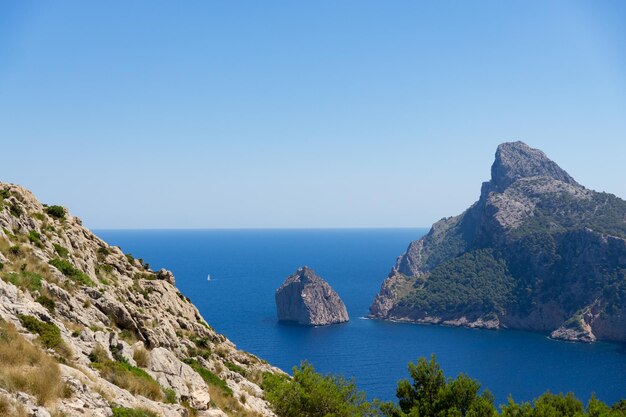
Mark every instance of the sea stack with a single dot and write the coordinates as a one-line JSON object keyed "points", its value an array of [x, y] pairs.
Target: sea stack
{"points": [[306, 299]]}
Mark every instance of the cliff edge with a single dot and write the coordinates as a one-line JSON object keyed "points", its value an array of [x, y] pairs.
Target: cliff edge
{"points": [[86, 330]]}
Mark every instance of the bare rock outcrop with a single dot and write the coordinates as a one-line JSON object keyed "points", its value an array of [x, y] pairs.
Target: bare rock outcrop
{"points": [[306, 299], [109, 315]]}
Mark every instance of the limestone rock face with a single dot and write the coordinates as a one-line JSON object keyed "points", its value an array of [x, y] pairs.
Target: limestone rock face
{"points": [[306, 299], [102, 300], [516, 160], [537, 251]]}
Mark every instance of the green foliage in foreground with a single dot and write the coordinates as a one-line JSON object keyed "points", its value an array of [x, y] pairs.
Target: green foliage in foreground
{"points": [[310, 394], [428, 394]]}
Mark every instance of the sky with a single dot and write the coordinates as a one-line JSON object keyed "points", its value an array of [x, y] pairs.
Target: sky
{"points": [[358, 113]]}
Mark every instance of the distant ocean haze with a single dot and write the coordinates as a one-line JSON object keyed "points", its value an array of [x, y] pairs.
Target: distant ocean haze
{"points": [[246, 267]]}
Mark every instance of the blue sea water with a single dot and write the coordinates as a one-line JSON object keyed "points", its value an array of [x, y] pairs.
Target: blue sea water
{"points": [[247, 266]]}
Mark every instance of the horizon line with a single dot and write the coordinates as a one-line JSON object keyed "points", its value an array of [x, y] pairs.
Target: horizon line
{"points": [[256, 228]]}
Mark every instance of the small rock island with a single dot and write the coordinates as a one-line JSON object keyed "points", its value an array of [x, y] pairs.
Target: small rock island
{"points": [[306, 299]]}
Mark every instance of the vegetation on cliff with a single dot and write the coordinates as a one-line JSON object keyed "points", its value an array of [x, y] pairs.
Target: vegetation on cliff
{"points": [[473, 281], [537, 251]]}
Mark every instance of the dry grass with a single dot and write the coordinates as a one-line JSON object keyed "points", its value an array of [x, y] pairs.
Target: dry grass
{"points": [[133, 379], [142, 357], [222, 351], [11, 408], [229, 404], [25, 261], [25, 367], [255, 375]]}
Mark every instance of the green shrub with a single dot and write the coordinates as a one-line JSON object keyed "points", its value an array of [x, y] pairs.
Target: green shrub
{"points": [[203, 353], [61, 251], [433, 395], [34, 237], [15, 250], [125, 375], [313, 395], [24, 279], [208, 376], [57, 212], [170, 395], [71, 272], [203, 347], [235, 368], [47, 302], [131, 378], [1, 266], [132, 412], [202, 342], [128, 336], [103, 251], [39, 216], [15, 210], [98, 354], [49, 333]]}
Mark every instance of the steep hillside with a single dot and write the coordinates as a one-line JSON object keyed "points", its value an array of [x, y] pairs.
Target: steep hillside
{"points": [[537, 251], [87, 330]]}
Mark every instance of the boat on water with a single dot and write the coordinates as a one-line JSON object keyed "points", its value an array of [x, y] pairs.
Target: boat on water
{"points": [[208, 278]]}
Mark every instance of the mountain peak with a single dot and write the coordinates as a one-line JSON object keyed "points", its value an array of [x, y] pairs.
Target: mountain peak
{"points": [[306, 274], [516, 160]]}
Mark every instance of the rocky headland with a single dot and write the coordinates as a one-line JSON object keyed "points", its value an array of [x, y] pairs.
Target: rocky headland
{"points": [[86, 330], [537, 251], [306, 299]]}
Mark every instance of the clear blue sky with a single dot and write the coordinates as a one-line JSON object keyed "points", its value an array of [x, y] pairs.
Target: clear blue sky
{"points": [[302, 113]]}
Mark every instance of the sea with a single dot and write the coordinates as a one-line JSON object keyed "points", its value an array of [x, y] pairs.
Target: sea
{"points": [[246, 267]]}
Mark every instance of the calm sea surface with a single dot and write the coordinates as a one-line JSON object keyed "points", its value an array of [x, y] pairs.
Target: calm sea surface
{"points": [[247, 266]]}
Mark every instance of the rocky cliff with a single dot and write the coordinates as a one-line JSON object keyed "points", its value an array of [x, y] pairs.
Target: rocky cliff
{"points": [[537, 251], [308, 300], [86, 330]]}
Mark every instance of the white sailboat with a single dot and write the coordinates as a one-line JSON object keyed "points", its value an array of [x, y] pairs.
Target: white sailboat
{"points": [[208, 278]]}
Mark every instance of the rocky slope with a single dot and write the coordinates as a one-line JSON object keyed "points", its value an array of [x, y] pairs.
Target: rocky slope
{"points": [[308, 300], [537, 251], [120, 334]]}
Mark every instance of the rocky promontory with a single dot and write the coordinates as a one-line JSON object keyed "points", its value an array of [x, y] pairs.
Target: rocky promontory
{"points": [[537, 251], [306, 299]]}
